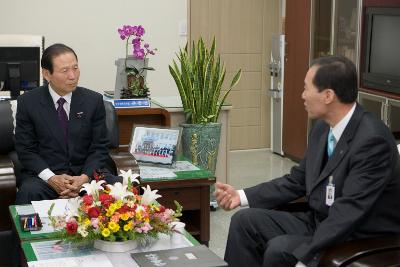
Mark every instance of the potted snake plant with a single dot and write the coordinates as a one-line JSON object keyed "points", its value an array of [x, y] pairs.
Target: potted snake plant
{"points": [[199, 76]]}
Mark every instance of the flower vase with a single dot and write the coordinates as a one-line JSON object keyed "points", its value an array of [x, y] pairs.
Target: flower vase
{"points": [[121, 80], [116, 246]]}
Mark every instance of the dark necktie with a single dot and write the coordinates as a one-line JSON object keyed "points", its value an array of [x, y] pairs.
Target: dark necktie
{"points": [[62, 117]]}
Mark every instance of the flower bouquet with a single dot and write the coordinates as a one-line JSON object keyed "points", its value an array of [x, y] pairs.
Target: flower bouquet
{"points": [[115, 213]]}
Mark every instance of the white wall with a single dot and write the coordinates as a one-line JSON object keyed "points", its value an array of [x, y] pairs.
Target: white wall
{"points": [[90, 28]]}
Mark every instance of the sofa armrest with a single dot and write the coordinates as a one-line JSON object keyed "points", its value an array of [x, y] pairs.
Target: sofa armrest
{"points": [[356, 250], [125, 161], [8, 191]]}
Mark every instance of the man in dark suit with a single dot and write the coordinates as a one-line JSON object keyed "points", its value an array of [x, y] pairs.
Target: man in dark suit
{"points": [[350, 177], [60, 133]]}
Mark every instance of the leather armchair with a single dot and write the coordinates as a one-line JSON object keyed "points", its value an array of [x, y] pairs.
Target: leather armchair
{"points": [[8, 182], [118, 160], [376, 251]]}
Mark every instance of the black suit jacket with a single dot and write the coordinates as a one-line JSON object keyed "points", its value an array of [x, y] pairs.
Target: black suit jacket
{"points": [[40, 142], [366, 172]]}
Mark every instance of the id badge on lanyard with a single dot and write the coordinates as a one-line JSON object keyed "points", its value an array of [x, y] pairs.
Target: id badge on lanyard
{"points": [[330, 192]]}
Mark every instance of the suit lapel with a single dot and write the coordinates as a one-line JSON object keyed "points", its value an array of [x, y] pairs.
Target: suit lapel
{"points": [[319, 156], [76, 116], [49, 114], [341, 148]]}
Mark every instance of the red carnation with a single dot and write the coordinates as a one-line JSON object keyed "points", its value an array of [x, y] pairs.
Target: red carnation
{"points": [[105, 200], [87, 199], [135, 191], [94, 212], [124, 209], [162, 208], [72, 227]]}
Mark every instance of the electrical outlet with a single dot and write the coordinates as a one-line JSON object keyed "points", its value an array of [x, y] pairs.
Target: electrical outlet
{"points": [[182, 31]]}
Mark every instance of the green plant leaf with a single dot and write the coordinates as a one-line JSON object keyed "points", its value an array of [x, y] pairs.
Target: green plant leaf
{"points": [[199, 79]]}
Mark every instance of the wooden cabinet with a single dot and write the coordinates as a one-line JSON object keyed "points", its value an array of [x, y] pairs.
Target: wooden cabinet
{"points": [[297, 30], [194, 195], [385, 108], [335, 28]]}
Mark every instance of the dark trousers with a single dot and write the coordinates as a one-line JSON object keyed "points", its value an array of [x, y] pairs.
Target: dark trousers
{"points": [[261, 237]]}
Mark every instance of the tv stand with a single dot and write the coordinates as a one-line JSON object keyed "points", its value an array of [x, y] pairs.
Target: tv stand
{"points": [[384, 106]]}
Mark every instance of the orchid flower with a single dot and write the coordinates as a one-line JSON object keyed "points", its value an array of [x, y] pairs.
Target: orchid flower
{"points": [[149, 196], [93, 188], [126, 175], [119, 191]]}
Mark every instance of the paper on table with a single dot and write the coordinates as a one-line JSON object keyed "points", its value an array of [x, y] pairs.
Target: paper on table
{"points": [[156, 172], [24, 209], [46, 227], [98, 260], [183, 165], [43, 206]]}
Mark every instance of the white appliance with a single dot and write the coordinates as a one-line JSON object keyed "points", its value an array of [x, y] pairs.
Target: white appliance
{"points": [[276, 69]]}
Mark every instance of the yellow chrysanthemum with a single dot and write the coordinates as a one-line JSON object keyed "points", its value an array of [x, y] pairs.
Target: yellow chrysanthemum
{"points": [[112, 208], [113, 226], [106, 232], [109, 213], [128, 227], [118, 204], [87, 222], [125, 216]]}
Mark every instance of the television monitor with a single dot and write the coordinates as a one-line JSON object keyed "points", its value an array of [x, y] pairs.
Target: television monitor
{"points": [[381, 68], [19, 69]]}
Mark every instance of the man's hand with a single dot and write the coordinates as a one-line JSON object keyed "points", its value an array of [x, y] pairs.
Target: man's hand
{"points": [[59, 183], [227, 196], [74, 185]]}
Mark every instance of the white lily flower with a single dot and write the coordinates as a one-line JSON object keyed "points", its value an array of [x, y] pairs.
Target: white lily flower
{"points": [[149, 196], [139, 208], [128, 174], [93, 188], [119, 191], [73, 207], [82, 231]]}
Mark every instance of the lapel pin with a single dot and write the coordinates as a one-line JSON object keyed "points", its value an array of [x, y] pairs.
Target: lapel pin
{"points": [[79, 114]]}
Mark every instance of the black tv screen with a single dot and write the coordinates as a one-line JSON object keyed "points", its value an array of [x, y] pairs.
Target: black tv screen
{"points": [[19, 69], [382, 49]]}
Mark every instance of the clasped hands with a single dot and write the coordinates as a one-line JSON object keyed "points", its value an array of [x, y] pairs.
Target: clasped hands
{"points": [[67, 186], [227, 196]]}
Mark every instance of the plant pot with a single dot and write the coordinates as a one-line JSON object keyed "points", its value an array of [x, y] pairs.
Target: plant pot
{"points": [[121, 80], [117, 246], [200, 144]]}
